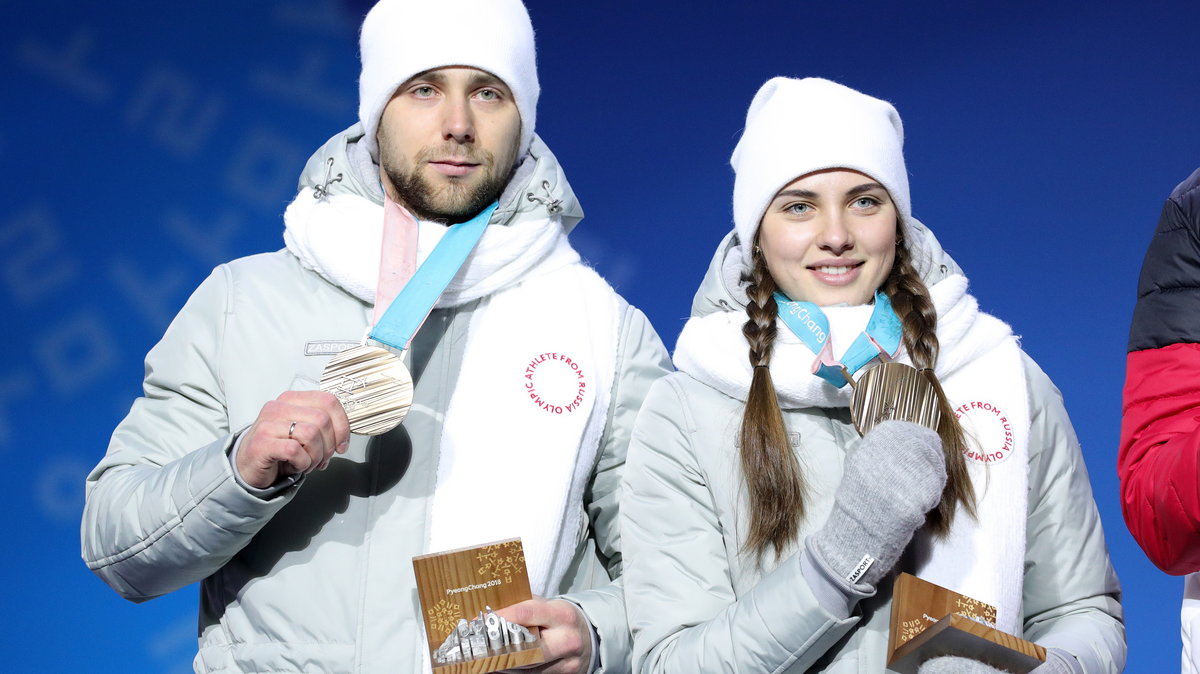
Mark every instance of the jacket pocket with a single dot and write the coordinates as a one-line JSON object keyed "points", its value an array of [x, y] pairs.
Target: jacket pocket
{"points": [[304, 382]]}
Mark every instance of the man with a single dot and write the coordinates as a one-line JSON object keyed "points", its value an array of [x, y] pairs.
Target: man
{"points": [[1159, 459], [233, 470]]}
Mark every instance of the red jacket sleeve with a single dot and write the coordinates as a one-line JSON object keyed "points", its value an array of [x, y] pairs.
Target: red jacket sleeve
{"points": [[1159, 458]]}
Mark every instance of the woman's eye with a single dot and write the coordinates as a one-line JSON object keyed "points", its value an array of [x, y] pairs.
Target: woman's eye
{"points": [[798, 209], [866, 202]]}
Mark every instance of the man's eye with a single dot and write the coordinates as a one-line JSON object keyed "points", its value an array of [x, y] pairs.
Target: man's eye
{"points": [[424, 91], [489, 95]]}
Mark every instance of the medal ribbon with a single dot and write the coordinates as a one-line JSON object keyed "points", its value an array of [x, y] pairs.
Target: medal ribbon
{"points": [[811, 325], [410, 308]]}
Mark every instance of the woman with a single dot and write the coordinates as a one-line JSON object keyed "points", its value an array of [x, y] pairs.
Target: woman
{"points": [[760, 533]]}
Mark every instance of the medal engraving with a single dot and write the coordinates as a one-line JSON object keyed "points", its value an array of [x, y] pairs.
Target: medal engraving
{"points": [[893, 391], [373, 386]]}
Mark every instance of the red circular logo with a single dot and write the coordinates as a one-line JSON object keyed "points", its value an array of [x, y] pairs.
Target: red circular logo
{"points": [[989, 427], [555, 382]]}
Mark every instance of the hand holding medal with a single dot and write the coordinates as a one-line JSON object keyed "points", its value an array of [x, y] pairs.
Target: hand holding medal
{"points": [[365, 389], [294, 434]]}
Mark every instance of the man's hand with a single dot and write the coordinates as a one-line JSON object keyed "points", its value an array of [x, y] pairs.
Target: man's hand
{"points": [[566, 634], [295, 433]]}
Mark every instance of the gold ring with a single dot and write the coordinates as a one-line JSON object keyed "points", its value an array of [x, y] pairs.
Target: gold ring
{"points": [[290, 429]]}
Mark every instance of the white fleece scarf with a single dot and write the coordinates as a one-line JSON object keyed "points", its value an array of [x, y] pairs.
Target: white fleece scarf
{"points": [[521, 433], [320, 234], [980, 368]]}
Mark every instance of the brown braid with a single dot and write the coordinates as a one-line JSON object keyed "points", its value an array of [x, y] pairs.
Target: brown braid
{"points": [[773, 479], [911, 301]]}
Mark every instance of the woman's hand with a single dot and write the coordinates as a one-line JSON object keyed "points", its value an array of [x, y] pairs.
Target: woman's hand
{"points": [[894, 477], [952, 664], [1056, 663]]}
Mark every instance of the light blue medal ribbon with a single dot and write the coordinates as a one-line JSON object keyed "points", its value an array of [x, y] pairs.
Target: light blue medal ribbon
{"points": [[410, 308], [811, 325]]}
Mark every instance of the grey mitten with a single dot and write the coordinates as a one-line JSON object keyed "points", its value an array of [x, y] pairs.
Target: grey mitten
{"points": [[890, 482], [952, 664], [1057, 662]]}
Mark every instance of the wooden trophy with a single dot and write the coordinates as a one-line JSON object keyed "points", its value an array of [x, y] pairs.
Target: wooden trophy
{"points": [[458, 590], [929, 620]]}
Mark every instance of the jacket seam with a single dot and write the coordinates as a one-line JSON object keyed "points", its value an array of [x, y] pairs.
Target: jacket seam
{"points": [[159, 533], [1141, 402], [692, 429], [681, 398], [1173, 219], [606, 434], [1178, 199], [624, 330], [1169, 289], [226, 318], [805, 647], [219, 375], [614, 391], [1179, 341]]}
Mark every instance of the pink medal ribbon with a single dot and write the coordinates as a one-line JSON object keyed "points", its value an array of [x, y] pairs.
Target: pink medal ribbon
{"points": [[397, 256]]}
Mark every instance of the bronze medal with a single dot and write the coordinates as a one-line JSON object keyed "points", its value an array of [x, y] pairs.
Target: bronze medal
{"points": [[373, 386], [893, 391]]}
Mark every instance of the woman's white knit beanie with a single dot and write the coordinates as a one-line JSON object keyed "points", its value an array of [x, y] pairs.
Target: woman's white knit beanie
{"points": [[401, 38], [795, 127]]}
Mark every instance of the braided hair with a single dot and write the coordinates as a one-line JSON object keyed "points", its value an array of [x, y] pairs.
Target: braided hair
{"points": [[775, 483], [911, 301]]}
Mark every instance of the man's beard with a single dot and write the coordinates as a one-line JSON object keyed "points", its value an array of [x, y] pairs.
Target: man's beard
{"points": [[456, 201]]}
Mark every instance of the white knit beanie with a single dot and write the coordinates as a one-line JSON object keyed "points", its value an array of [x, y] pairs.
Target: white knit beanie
{"points": [[401, 38], [795, 127]]}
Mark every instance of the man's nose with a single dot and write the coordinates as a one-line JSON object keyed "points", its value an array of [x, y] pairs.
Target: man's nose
{"points": [[459, 121]]}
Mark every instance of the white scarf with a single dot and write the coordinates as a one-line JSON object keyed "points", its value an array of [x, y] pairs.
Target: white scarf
{"points": [[340, 238], [980, 368], [538, 298]]}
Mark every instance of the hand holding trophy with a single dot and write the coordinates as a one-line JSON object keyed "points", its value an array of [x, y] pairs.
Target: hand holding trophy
{"points": [[457, 590], [964, 638]]}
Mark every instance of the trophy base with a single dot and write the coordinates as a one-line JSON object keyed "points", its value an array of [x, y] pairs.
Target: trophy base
{"points": [[512, 657], [917, 634], [956, 635]]}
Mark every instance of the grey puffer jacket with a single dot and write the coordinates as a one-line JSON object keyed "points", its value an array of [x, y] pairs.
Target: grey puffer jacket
{"points": [[697, 603], [318, 577]]}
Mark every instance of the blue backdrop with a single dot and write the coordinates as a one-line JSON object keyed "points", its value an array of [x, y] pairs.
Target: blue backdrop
{"points": [[144, 143]]}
